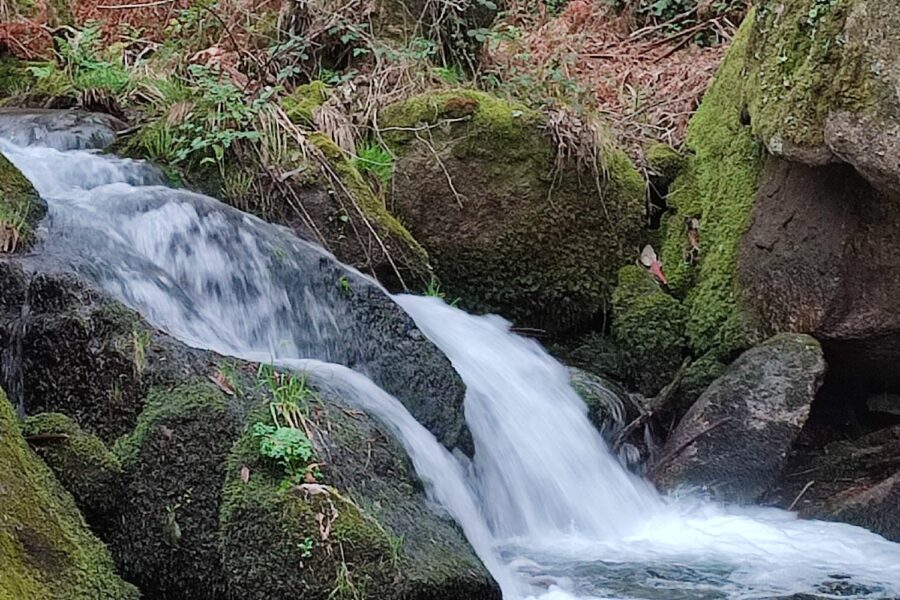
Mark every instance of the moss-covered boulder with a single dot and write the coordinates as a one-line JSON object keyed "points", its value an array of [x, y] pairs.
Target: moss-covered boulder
{"points": [[182, 414], [20, 209], [823, 80], [81, 461], [46, 550], [476, 182], [649, 327], [364, 529], [206, 514], [166, 536]]}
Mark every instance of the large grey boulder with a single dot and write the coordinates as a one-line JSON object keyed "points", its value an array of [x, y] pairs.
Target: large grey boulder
{"points": [[734, 441]]}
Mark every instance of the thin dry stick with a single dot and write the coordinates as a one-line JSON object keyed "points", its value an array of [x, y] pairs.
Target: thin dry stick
{"points": [[440, 163], [800, 495], [132, 6]]}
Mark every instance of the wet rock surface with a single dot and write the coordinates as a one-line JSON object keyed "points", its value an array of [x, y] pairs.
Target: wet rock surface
{"points": [[735, 439]]}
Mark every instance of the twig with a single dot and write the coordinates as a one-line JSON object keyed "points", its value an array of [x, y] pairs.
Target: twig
{"points": [[661, 399], [129, 6], [40, 438], [800, 495]]}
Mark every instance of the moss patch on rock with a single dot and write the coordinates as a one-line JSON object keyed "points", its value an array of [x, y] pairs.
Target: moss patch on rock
{"points": [[719, 188], [46, 550], [649, 326], [20, 209], [475, 182], [81, 462], [392, 232], [666, 162], [804, 64], [166, 536], [280, 540]]}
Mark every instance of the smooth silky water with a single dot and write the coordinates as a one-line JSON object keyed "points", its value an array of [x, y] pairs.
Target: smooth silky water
{"points": [[544, 503]]}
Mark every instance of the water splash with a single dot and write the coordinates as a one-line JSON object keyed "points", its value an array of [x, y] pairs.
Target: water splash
{"points": [[550, 512]]}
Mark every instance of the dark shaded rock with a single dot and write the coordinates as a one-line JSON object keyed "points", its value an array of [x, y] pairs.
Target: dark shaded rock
{"points": [[874, 508], [815, 260], [853, 480], [82, 463], [46, 550], [735, 439]]}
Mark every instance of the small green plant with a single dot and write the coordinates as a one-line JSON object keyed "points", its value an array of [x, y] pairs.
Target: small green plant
{"points": [[284, 439], [433, 289], [287, 446], [291, 396], [306, 547], [375, 159], [344, 284], [84, 64], [222, 116]]}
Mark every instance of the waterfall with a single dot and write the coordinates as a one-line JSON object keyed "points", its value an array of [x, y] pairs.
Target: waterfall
{"points": [[551, 513]]}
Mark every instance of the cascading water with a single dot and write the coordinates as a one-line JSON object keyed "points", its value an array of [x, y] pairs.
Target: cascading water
{"points": [[545, 505]]}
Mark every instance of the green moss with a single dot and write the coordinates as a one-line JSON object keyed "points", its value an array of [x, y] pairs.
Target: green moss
{"points": [[46, 550], [20, 208], [163, 404], [649, 327], [81, 462], [303, 101], [370, 204], [513, 234], [666, 161], [496, 129], [800, 69], [165, 536], [698, 376], [718, 187], [323, 535]]}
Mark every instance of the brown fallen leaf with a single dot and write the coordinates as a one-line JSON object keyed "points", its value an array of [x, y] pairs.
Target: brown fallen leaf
{"points": [[222, 383]]}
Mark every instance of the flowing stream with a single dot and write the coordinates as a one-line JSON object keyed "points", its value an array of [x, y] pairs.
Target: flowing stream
{"points": [[549, 510]]}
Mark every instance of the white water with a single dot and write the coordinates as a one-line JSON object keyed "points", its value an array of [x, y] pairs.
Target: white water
{"points": [[550, 512]]}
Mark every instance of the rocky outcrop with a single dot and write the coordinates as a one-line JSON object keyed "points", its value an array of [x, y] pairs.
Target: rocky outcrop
{"points": [[189, 506], [823, 83], [734, 441], [507, 231], [46, 550]]}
